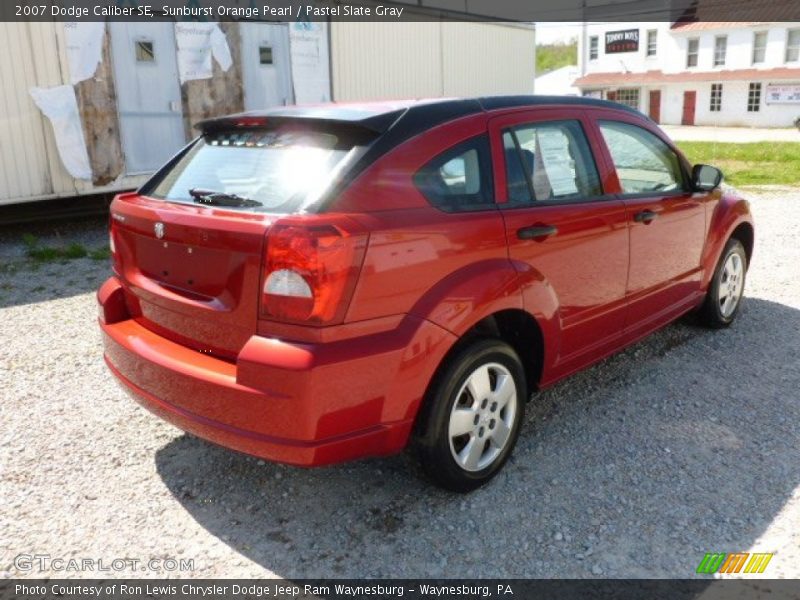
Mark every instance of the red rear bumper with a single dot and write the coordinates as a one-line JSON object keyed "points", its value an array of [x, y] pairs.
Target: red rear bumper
{"points": [[302, 404]]}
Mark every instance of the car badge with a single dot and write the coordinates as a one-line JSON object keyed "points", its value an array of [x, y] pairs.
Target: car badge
{"points": [[158, 228]]}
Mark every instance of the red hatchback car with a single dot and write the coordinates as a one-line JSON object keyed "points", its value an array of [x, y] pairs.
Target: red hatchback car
{"points": [[317, 284]]}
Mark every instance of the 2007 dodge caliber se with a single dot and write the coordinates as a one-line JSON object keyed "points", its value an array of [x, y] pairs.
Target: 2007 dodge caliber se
{"points": [[313, 285]]}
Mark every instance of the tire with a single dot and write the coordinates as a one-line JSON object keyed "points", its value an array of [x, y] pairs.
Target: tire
{"points": [[724, 296], [480, 391]]}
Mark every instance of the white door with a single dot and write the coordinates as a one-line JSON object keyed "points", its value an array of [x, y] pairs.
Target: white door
{"points": [[265, 65], [148, 93]]}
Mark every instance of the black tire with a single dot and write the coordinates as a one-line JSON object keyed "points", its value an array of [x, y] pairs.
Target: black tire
{"points": [[432, 441], [711, 313]]}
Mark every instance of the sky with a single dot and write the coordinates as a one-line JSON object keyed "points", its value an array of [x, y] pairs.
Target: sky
{"points": [[551, 33]]}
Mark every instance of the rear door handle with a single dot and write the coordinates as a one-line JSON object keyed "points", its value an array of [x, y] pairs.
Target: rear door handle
{"points": [[644, 216], [536, 231]]}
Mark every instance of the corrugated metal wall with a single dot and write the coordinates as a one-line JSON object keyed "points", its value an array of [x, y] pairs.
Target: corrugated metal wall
{"points": [[33, 55], [373, 61], [25, 149]]}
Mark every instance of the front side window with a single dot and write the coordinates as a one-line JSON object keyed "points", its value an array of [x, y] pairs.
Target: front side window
{"points": [[793, 45], [459, 179], [716, 97], [691, 52], [277, 171], [759, 47], [644, 163], [652, 42], [720, 50], [593, 47], [549, 161], [754, 97]]}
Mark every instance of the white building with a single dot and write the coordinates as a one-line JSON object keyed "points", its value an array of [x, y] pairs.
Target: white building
{"points": [[698, 73], [141, 86], [558, 82]]}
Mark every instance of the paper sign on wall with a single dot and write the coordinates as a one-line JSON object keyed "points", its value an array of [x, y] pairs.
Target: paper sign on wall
{"points": [[60, 106], [782, 93], [197, 42], [84, 41]]}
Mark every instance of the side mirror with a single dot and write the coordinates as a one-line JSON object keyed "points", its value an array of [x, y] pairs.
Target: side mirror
{"points": [[706, 178]]}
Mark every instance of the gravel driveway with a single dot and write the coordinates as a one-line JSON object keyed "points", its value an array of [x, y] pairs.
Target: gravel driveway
{"points": [[684, 444]]}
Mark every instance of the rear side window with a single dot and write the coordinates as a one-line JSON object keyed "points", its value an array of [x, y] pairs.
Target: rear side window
{"points": [[459, 179], [644, 163], [549, 161], [281, 170]]}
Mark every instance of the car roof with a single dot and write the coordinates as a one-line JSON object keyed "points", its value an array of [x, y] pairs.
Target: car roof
{"points": [[416, 114]]}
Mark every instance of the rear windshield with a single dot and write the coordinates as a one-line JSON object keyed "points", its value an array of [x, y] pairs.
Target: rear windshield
{"points": [[282, 170]]}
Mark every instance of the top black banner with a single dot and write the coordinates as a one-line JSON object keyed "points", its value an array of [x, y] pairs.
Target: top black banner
{"points": [[401, 10]]}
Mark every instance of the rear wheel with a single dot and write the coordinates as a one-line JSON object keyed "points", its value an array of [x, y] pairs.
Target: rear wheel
{"points": [[472, 416], [724, 296]]}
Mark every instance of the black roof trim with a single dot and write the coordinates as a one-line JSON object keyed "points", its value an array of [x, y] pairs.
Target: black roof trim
{"points": [[499, 102], [411, 115], [377, 122]]}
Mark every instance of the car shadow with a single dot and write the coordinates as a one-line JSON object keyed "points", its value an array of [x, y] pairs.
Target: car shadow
{"points": [[683, 444]]}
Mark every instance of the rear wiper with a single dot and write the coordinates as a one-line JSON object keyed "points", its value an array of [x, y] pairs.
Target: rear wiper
{"points": [[212, 198]]}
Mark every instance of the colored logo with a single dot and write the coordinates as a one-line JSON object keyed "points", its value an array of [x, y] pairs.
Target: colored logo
{"points": [[735, 562]]}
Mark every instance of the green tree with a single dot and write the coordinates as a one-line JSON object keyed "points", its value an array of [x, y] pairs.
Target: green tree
{"points": [[555, 56]]}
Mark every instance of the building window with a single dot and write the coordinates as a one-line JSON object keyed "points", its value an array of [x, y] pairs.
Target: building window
{"points": [[593, 45], [793, 45], [691, 52], [716, 97], [144, 51], [720, 49], [652, 42], [265, 55], [628, 97], [759, 47], [754, 98]]}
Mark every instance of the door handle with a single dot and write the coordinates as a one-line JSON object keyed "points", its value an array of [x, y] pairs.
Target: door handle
{"points": [[536, 231], [644, 216]]}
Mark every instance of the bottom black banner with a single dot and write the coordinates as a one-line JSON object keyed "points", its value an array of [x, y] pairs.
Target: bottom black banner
{"points": [[563, 589]]}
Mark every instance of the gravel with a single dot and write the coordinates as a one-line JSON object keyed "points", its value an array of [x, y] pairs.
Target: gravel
{"points": [[686, 443]]}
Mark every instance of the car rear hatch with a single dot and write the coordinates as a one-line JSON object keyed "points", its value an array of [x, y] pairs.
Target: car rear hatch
{"points": [[190, 245]]}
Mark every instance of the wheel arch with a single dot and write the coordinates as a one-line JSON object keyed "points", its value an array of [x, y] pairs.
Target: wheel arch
{"points": [[746, 235], [516, 327]]}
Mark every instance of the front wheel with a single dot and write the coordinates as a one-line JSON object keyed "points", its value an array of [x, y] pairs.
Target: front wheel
{"points": [[472, 416], [724, 296]]}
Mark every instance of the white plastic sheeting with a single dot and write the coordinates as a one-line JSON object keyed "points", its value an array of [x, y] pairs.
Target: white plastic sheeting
{"points": [[196, 43], [60, 106], [84, 41], [310, 64]]}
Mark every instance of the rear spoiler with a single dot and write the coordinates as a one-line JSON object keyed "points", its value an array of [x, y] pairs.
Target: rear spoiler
{"points": [[321, 116]]}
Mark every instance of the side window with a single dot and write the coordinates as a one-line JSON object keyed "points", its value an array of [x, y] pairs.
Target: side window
{"points": [[459, 179], [643, 161], [549, 161]]}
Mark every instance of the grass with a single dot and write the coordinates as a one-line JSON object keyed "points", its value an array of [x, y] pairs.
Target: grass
{"points": [[555, 56], [760, 163], [61, 254]]}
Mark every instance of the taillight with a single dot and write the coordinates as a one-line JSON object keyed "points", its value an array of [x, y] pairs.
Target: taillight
{"points": [[311, 269]]}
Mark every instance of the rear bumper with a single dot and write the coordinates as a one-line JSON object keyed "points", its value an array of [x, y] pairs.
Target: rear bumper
{"points": [[303, 404]]}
